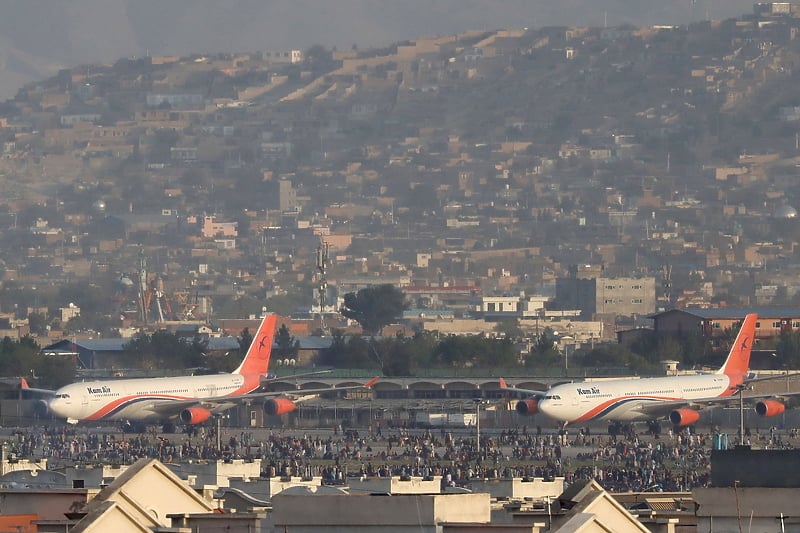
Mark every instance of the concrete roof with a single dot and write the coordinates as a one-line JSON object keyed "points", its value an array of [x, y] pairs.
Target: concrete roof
{"points": [[731, 313]]}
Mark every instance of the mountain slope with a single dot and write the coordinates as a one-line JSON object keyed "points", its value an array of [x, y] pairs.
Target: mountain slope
{"points": [[39, 36]]}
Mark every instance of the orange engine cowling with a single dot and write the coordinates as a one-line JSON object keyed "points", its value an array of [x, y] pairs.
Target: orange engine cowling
{"points": [[41, 408], [684, 417], [279, 406], [195, 415], [528, 407], [769, 408]]}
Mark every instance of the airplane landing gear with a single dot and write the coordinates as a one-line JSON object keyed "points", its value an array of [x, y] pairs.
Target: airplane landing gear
{"points": [[133, 427]]}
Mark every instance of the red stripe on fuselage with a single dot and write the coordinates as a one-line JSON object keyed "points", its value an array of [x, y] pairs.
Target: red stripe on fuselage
{"points": [[110, 407], [250, 384], [589, 415]]}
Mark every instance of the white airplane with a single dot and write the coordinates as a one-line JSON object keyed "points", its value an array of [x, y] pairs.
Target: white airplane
{"points": [[678, 398], [188, 399]]}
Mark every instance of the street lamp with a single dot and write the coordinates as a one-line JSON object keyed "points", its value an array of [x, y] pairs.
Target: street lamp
{"points": [[741, 388], [478, 402], [566, 340]]}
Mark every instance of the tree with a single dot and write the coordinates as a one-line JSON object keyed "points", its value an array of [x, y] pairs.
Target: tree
{"points": [[509, 328], [25, 358], [374, 307], [288, 346], [544, 353], [245, 340], [163, 349], [37, 323], [348, 353]]}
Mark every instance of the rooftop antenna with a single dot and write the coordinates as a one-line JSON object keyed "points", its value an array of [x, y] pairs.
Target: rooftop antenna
{"points": [[322, 266]]}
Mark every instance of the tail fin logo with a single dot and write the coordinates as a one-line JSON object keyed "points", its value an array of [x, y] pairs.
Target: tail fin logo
{"points": [[738, 360], [257, 359]]}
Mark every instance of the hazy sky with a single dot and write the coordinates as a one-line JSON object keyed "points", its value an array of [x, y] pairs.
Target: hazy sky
{"points": [[39, 36]]}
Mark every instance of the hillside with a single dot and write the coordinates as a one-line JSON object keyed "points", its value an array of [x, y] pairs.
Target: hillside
{"points": [[39, 37], [491, 159]]}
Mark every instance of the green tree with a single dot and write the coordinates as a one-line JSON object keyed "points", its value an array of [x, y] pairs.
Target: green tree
{"points": [[165, 350], [25, 358], [286, 304], [245, 340], [543, 353], [348, 353], [318, 57], [462, 351], [288, 346], [787, 350], [509, 327], [37, 323], [374, 307]]}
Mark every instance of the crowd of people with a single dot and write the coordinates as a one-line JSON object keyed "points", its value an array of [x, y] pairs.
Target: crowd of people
{"points": [[626, 462]]}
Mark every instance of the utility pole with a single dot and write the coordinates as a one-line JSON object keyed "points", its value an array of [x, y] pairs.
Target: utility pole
{"points": [[143, 303]]}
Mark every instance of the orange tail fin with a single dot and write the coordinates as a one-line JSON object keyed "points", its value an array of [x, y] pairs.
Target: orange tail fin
{"points": [[738, 360], [257, 359]]}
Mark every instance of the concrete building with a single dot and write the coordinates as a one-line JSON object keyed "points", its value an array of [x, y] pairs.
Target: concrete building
{"points": [[217, 473], [399, 513], [606, 297], [750, 489], [711, 323], [535, 489], [140, 499], [396, 485]]}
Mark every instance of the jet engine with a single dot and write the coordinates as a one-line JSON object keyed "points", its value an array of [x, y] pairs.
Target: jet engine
{"points": [[195, 415], [684, 417], [528, 407], [279, 406], [769, 408], [41, 408]]}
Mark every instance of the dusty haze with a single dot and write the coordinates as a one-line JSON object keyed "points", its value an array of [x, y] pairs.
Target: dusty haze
{"points": [[37, 37]]}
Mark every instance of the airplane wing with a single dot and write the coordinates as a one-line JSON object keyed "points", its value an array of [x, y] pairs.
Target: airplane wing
{"points": [[516, 390], [23, 384], [786, 375], [764, 403], [285, 401], [271, 378]]}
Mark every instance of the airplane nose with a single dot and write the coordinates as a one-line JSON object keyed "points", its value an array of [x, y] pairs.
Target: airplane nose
{"points": [[54, 406], [545, 406]]}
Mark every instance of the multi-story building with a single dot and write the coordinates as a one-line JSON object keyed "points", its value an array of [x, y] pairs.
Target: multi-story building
{"points": [[596, 295]]}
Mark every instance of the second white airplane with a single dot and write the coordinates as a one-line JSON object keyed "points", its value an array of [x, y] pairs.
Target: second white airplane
{"points": [[678, 398]]}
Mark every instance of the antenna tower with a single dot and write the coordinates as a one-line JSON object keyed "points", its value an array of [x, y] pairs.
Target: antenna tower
{"points": [[322, 266]]}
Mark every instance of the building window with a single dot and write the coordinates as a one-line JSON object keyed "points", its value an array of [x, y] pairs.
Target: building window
{"points": [[636, 301], [776, 325]]}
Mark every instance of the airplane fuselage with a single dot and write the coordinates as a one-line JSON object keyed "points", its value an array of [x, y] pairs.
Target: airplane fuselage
{"points": [[627, 399], [134, 399]]}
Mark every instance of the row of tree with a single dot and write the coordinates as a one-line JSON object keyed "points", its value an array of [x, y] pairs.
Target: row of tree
{"points": [[405, 356], [398, 355], [24, 358]]}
